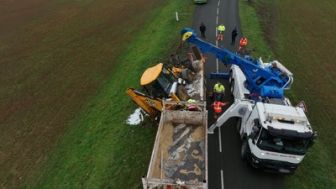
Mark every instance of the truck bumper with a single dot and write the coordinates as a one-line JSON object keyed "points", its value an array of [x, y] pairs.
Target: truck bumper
{"points": [[272, 165]]}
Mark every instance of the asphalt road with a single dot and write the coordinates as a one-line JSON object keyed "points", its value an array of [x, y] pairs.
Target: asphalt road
{"points": [[226, 169]]}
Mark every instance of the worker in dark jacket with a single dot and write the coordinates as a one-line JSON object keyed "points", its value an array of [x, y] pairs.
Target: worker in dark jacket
{"points": [[202, 29], [234, 34]]}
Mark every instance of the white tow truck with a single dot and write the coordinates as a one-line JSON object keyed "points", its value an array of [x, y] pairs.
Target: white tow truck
{"points": [[275, 134]]}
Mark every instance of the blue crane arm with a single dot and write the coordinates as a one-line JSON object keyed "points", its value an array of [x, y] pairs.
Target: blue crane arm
{"points": [[266, 80]]}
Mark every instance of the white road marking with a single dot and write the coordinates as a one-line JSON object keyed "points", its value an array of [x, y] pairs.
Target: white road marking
{"points": [[219, 129], [220, 139], [222, 178], [217, 17]]}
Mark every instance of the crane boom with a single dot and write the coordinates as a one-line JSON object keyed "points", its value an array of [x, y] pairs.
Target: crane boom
{"points": [[264, 79]]}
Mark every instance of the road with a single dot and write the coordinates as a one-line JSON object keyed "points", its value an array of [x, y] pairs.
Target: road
{"points": [[226, 169]]}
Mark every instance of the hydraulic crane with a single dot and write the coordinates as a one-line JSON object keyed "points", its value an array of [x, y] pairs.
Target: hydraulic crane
{"points": [[266, 80], [275, 135]]}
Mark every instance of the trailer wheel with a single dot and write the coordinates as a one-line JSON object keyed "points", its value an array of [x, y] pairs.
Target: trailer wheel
{"points": [[245, 150]]}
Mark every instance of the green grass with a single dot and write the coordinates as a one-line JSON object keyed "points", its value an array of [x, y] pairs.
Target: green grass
{"points": [[100, 150], [251, 29], [303, 41], [309, 54]]}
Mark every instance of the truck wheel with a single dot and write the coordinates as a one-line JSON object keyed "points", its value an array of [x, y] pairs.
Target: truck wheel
{"points": [[245, 150], [238, 125], [232, 85]]}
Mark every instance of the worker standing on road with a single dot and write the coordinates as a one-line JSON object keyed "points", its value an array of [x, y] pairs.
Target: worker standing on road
{"points": [[242, 45], [221, 29], [218, 91], [234, 34], [217, 107], [202, 28]]}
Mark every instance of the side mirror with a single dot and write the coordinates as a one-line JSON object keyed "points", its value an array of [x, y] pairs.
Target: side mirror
{"points": [[315, 135], [255, 129], [252, 135], [256, 122], [312, 140]]}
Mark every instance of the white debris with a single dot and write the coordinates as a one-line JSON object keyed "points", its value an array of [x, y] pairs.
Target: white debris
{"points": [[193, 89], [136, 117]]}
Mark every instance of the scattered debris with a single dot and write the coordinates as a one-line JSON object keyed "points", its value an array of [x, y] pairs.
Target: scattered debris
{"points": [[185, 158], [193, 89], [136, 117]]}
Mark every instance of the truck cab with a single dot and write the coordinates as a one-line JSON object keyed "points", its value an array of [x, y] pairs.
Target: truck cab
{"points": [[275, 134], [275, 137]]}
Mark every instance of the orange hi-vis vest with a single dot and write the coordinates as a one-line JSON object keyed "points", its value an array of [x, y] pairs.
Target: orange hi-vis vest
{"points": [[243, 41], [217, 106]]}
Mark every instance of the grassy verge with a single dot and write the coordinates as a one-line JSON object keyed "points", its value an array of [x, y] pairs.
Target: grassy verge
{"points": [[307, 53], [251, 29], [100, 150]]}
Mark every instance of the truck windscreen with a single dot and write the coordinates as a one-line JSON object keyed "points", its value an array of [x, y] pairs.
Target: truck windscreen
{"points": [[293, 145]]}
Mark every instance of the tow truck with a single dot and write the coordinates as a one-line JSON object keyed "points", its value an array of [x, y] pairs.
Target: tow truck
{"points": [[275, 134]]}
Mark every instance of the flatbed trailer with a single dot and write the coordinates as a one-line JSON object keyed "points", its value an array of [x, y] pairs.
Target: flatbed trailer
{"points": [[179, 157]]}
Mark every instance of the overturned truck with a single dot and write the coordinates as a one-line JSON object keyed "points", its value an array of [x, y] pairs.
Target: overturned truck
{"points": [[179, 157]]}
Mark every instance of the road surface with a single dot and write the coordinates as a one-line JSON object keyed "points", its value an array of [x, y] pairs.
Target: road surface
{"points": [[226, 169]]}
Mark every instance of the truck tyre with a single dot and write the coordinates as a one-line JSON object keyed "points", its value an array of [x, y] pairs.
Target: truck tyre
{"points": [[232, 85], [245, 150], [239, 125]]}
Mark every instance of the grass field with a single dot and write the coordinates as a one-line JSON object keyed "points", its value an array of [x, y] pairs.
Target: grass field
{"points": [[99, 150], [54, 56], [301, 34]]}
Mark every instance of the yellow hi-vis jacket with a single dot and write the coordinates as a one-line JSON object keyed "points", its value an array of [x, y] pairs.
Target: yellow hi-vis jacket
{"points": [[221, 28], [219, 88]]}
